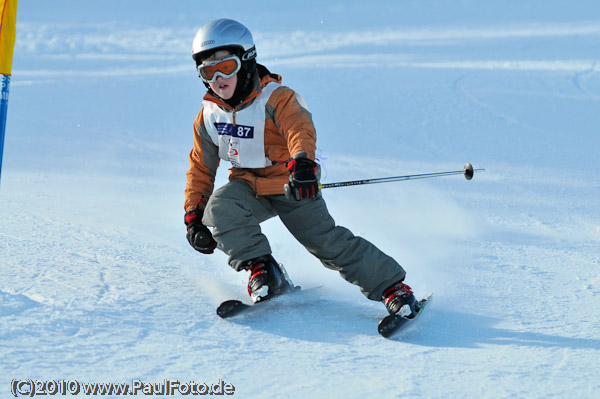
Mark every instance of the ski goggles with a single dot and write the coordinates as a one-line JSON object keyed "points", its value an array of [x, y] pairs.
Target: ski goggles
{"points": [[225, 67]]}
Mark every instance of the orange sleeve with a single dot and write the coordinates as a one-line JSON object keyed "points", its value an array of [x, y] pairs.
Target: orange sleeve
{"points": [[294, 121], [204, 161]]}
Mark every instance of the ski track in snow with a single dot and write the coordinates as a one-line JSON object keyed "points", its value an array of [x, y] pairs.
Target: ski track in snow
{"points": [[299, 49], [98, 284]]}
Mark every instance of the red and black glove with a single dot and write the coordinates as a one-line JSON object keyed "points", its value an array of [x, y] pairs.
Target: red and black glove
{"points": [[198, 235], [303, 179]]}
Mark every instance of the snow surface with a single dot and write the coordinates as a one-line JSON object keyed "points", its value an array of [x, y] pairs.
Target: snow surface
{"points": [[98, 283]]}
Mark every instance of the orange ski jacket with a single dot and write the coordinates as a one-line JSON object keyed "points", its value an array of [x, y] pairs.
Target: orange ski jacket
{"points": [[288, 130]]}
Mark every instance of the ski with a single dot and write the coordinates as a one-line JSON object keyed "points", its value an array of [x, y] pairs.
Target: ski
{"points": [[234, 307], [392, 324], [388, 326], [231, 308]]}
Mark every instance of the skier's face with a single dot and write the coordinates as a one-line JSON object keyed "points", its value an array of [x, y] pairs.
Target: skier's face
{"points": [[223, 87]]}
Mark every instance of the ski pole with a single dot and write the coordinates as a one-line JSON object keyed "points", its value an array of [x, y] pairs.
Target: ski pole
{"points": [[467, 171]]}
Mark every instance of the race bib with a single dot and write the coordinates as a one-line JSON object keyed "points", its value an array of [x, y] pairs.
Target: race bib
{"points": [[242, 143]]}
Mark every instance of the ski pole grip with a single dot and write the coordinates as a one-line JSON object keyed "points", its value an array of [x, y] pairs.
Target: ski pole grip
{"points": [[287, 190], [201, 239]]}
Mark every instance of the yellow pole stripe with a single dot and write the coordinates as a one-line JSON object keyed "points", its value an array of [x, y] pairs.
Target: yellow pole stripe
{"points": [[8, 30]]}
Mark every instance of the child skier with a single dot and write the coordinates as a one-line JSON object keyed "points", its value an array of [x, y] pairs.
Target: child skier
{"points": [[265, 130]]}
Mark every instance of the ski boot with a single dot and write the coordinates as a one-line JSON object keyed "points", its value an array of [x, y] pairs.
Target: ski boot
{"points": [[399, 299], [267, 279]]}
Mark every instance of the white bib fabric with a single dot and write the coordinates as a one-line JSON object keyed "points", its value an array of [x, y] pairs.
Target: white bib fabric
{"points": [[242, 143]]}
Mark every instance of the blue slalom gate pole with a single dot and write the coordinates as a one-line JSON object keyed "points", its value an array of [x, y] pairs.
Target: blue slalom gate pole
{"points": [[3, 112], [8, 30]]}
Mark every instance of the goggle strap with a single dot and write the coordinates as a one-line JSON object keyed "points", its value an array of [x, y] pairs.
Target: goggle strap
{"points": [[248, 55]]}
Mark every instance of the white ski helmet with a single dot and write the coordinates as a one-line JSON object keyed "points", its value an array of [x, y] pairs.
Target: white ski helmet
{"points": [[227, 34], [223, 34]]}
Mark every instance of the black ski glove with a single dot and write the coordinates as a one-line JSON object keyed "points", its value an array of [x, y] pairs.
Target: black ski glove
{"points": [[303, 180], [198, 235]]}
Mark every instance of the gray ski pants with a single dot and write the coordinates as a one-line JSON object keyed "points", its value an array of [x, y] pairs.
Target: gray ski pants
{"points": [[235, 213]]}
